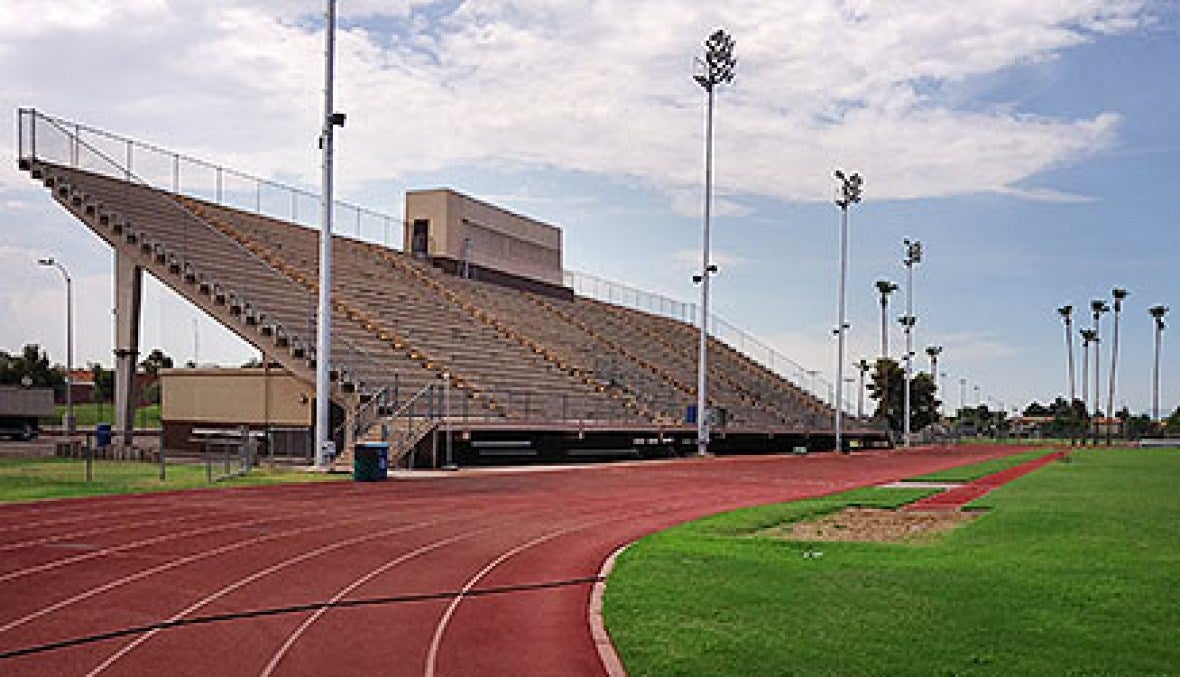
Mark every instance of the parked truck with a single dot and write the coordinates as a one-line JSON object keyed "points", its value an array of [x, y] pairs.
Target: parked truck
{"points": [[21, 410]]}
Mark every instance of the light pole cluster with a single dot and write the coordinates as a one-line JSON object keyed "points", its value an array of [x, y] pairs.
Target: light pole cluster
{"points": [[716, 68]]}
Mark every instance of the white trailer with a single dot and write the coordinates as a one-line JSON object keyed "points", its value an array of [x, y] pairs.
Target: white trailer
{"points": [[21, 410]]}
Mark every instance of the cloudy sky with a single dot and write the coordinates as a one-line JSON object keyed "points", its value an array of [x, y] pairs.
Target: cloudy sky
{"points": [[1031, 145]]}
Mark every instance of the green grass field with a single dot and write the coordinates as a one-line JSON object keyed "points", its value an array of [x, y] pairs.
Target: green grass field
{"points": [[1076, 570], [86, 415], [31, 480]]}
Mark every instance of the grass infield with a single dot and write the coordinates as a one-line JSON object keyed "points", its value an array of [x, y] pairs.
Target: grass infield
{"points": [[1076, 570], [36, 479]]}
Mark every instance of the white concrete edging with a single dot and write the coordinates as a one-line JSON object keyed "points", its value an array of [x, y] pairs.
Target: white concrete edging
{"points": [[602, 641]]}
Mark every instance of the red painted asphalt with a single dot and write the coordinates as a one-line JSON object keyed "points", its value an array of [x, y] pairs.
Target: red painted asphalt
{"points": [[81, 567], [956, 498]]}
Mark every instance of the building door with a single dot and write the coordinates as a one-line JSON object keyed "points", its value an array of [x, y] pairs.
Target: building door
{"points": [[420, 238]]}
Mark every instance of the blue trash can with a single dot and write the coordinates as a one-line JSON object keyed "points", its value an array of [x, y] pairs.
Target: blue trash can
{"points": [[102, 435], [690, 414]]}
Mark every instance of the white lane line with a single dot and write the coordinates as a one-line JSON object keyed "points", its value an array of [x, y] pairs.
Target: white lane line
{"points": [[89, 532], [166, 567], [302, 557], [436, 640], [294, 636], [440, 629], [131, 546]]}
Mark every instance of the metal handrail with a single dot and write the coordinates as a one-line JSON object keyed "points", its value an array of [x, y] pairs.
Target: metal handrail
{"points": [[608, 291], [177, 158], [131, 176]]}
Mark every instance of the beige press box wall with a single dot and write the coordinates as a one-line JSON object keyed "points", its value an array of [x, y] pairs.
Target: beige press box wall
{"points": [[500, 239], [240, 396]]}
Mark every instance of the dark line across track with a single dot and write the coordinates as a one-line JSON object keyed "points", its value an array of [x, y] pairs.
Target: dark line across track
{"points": [[74, 568]]}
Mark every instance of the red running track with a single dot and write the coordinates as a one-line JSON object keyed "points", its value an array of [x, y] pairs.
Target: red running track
{"points": [[82, 567], [956, 498]]}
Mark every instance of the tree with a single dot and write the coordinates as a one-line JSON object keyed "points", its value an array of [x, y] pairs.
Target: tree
{"points": [[155, 361], [888, 382], [151, 394], [34, 363], [1097, 308], [1119, 295], [1157, 314], [1066, 313], [885, 288], [104, 382], [1088, 336], [1172, 425], [1036, 409]]}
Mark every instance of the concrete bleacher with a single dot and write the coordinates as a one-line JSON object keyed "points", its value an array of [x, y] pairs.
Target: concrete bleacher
{"points": [[401, 323]]}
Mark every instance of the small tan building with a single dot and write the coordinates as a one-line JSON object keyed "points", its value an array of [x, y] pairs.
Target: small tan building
{"points": [[472, 238], [208, 399]]}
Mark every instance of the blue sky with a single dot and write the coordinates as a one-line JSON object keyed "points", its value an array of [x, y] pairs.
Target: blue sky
{"points": [[1031, 146]]}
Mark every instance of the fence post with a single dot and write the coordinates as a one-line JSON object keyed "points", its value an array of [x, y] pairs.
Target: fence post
{"points": [[176, 172], [160, 455], [219, 185], [127, 169], [75, 151]]}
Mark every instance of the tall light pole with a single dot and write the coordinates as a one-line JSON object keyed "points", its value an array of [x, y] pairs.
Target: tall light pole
{"points": [[863, 367], [323, 351], [913, 255], [933, 352], [69, 422], [716, 69], [1157, 313], [847, 194]]}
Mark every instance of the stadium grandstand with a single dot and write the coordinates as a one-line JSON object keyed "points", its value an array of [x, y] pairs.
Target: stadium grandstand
{"points": [[469, 332]]}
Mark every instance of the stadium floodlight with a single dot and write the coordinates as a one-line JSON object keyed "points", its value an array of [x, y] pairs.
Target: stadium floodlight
{"points": [[69, 420], [715, 69], [847, 194], [323, 349], [913, 255]]}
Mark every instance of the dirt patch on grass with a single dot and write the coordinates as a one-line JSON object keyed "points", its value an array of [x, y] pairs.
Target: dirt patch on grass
{"points": [[871, 524]]}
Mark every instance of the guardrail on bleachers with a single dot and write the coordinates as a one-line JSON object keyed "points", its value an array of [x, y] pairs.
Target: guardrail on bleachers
{"points": [[585, 284], [56, 140], [72, 144], [52, 140]]}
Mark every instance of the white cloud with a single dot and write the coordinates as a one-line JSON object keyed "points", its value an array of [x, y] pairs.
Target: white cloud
{"points": [[602, 88]]}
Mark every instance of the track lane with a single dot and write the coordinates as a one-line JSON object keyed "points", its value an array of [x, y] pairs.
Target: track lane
{"points": [[361, 639]]}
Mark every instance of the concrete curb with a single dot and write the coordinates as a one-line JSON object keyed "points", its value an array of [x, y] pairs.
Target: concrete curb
{"points": [[602, 641]]}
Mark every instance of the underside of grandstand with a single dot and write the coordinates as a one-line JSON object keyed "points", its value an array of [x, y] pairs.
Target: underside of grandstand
{"points": [[503, 372]]}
